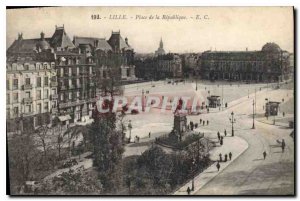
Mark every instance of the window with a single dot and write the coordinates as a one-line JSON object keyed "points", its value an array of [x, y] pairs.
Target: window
{"points": [[46, 93], [61, 97], [7, 85], [16, 110], [27, 81], [53, 91], [39, 108], [38, 81], [16, 84], [8, 113], [28, 94], [28, 109], [70, 96], [61, 72], [46, 106], [16, 97], [38, 95], [7, 99], [46, 81]]}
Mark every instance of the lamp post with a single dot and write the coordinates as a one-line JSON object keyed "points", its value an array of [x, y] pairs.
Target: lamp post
{"points": [[232, 121], [143, 106], [129, 127], [253, 104], [193, 184]]}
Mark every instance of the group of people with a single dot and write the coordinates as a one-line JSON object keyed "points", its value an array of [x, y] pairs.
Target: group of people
{"points": [[203, 122], [220, 138]]}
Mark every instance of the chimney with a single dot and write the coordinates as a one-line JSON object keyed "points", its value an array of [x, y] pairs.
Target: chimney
{"points": [[42, 36], [20, 36]]}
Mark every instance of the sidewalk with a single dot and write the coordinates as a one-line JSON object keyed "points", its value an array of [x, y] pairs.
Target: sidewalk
{"points": [[235, 145]]}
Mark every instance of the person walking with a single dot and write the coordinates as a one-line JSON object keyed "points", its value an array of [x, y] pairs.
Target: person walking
{"points": [[188, 190], [221, 141], [225, 158], [282, 145], [219, 137], [203, 123], [200, 121], [230, 155], [207, 122], [265, 155], [218, 166], [283, 114], [149, 134], [225, 132], [220, 156]]}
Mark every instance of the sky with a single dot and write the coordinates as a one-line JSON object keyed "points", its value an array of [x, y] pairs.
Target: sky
{"points": [[216, 28]]}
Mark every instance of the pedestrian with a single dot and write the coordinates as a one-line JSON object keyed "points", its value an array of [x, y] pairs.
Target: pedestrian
{"points": [[200, 121], [221, 141], [265, 155], [218, 166], [203, 123], [230, 155], [282, 145], [149, 134], [263, 107], [220, 156], [283, 114], [226, 157], [207, 122], [207, 110], [219, 137], [283, 100], [188, 190], [225, 132]]}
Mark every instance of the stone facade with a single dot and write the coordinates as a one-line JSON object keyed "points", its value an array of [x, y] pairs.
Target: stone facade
{"points": [[269, 64], [31, 85]]}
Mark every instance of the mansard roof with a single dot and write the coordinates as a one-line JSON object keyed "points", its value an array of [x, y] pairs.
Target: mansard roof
{"points": [[117, 42], [97, 43], [61, 39]]}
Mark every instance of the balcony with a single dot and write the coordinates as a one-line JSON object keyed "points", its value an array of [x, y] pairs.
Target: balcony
{"points": [[54, 110], [54, 96], [92, 84], [63, 87], [27, 86], [27, 100], [54, 84]]}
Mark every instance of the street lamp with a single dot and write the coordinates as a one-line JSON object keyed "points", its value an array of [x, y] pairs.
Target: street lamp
{"points": [[232, 121], [143, 106], [253, 126], [129, 127], [193, 184]]}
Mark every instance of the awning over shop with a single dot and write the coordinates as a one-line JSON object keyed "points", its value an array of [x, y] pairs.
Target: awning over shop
{"points": [[64, 118]]}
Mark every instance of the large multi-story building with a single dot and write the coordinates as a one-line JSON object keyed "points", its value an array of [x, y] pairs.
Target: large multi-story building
{"points": [[113, 57], [31, 85], [269, 64], [58, 77]]}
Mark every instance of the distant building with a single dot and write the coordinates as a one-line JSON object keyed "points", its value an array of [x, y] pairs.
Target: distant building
{"points": [[160, 50], [160, 67], [269, 64], [214, 101]]}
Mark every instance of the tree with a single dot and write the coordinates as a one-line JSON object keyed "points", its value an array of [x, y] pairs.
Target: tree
{"points": [[23, 159], [42, 134]]}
